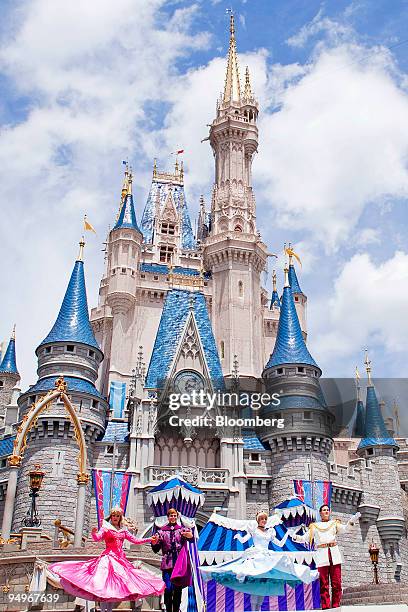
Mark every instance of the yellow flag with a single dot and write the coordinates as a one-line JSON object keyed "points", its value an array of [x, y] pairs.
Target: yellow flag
{"points": [[88, 226], [289, 251]]}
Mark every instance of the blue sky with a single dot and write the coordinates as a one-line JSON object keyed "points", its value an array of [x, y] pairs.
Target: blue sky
{"points": [[85, 85]]}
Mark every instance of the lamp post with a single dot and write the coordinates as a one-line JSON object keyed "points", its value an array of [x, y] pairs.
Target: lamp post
{"points": [[374, 551], [36, 477]]}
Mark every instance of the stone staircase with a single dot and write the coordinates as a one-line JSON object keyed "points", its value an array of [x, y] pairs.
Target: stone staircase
{"points": [[367, 594]]}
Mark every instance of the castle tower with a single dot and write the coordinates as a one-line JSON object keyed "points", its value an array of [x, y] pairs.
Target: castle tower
{"points": [[384, 489], [165, 222], [69, 349], [117, 294], [233, 250], [301, 448], [9, 375]]}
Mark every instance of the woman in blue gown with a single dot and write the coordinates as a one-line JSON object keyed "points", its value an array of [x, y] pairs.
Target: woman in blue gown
{"points": [[259, 571]]}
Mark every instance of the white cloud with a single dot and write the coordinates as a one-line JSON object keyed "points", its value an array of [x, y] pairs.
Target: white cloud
{"points": [[88, 75], [368, 307]]}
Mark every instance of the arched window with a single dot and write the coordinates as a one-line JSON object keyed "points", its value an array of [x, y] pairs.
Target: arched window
{"points": [[222, 349], [237, 228]]}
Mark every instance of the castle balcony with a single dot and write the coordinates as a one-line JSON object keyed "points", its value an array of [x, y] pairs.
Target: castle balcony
{"points": [[346, 495], [203, 478]]}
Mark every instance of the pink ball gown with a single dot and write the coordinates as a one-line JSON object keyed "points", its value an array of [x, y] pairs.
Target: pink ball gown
{"points": [[109, 577]]}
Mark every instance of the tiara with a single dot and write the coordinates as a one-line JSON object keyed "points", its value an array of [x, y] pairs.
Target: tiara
{"points": [[116, 509]]}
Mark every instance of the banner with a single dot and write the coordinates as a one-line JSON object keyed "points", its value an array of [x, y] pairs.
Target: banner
{"points": [[117, 398], [103, 486], [313, 493]]}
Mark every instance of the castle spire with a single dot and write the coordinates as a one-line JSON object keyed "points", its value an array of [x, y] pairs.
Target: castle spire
{"points": [[72, 323], [367, 362], [290, 346], [275, 301], [127, 215], [9, 363], [232, 88], [357, 423]]}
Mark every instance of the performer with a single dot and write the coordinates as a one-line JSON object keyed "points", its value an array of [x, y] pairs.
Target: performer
{"points": [[110, 577], [169, 540], [258, 570], [328, 556]]}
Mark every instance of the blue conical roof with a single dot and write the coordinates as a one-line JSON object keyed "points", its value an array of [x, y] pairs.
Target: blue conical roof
{"points": [[127, 215], [290, 346], [8, 363], [275, 301], [293, 280], [358, 424], [72, 324], [375, 432]]}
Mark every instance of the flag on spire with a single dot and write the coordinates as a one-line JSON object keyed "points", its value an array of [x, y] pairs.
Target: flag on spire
{"points": [[88, 226]]}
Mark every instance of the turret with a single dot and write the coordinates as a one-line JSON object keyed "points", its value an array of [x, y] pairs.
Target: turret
{"points": [[9, 377], [302, 447], [123, 252], [69, 349], [357, 422], [275, 301], [375, 439], [233, 250], [298, 295], [165, 222]]}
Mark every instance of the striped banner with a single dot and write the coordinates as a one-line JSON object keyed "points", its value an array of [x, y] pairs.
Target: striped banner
{"points": [[300, 597], [117, 398], [102, 486], [315, 493]]}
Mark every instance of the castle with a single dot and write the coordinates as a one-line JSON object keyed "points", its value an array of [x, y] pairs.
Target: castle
{"points": [[190, 307]]}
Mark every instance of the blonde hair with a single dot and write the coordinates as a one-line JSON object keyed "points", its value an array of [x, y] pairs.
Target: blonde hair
{"points": [[124, 522], [261, 513]]}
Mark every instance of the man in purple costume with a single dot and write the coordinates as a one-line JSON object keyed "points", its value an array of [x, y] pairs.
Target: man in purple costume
{"points": [[169, 540]]}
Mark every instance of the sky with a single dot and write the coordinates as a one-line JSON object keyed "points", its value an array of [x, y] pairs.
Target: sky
{"points": [[85, 85]]}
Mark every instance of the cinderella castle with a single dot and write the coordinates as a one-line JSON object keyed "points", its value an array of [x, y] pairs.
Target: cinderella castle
{"points": [[189, 307]]}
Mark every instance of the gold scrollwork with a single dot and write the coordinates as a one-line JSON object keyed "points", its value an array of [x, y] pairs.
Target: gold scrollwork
{"points": [[61, 385], [82, 478], [15, 460]]}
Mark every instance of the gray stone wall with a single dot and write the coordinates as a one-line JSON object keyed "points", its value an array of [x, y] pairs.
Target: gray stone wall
{"points": [[57, 497], [290, 465]]}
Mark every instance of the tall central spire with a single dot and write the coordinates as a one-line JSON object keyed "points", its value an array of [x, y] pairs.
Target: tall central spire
{"points": [[232, 88]]}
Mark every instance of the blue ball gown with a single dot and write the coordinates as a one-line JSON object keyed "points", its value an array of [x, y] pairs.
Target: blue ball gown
{"points": [[258, 570]]}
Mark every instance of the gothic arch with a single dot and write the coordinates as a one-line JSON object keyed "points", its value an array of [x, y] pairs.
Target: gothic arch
{"points": [[30, 420]]}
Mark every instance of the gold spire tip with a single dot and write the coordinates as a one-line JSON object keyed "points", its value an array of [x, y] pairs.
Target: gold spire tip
{"points": [[13, 333], [274, 279], [367, 363], [286, 283], [232, 24], [81, 250]]}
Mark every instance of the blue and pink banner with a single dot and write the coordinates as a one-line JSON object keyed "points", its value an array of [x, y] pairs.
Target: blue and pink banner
{"points": [[117, 398], [104, 488], [300, 597], [313, 493]]}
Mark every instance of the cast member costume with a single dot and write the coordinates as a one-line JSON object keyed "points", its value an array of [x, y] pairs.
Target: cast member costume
{"points": [[109, 577], [327, 556]]}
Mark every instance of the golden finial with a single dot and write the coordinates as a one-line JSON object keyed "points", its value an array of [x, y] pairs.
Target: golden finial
{"points": [[286, 283], [181, 171], [232, 88], [125, 187], [176, 167], [367, 362], [81, 250], [247, 90], [13, 333], [130, 181], [274, 280], [155, 168]]}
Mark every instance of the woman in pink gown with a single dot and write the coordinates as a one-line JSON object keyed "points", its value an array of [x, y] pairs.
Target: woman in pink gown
{"points": [[110, 577]]}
